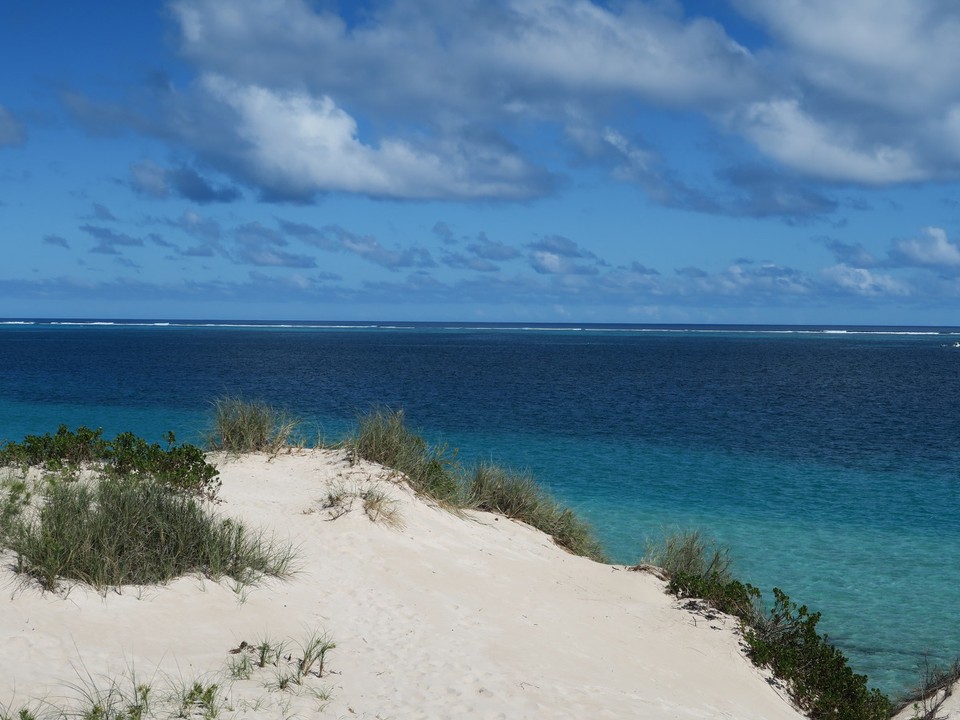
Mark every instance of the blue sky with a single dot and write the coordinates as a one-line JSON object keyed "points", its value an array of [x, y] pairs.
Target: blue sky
{"points": [[505, 160]]}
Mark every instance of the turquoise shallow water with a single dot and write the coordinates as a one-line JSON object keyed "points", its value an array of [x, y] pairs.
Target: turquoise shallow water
{"points": [[827, 461]]}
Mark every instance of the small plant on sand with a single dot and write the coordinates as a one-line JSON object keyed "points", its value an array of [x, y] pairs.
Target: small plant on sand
{"points": [[383, 437], [518, 496], [379, 506], [121, 531], [339, 501], [313, 653], [242, 426], [199, 699]]}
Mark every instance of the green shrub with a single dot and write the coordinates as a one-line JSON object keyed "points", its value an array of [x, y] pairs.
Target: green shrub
{"points": [[816, 673], [183, 468], [785, 639], [122, 531], [54, 452], [250, 426], [384, 438], [180, 467]]}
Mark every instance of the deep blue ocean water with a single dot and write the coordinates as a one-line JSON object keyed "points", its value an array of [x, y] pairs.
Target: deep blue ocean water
{"points": [[826, 458]]}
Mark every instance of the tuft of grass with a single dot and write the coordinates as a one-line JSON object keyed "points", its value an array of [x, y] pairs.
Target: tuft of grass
{"points": [[314, 654], [383, 437], [518, 496], [242, 426], [690, 553], [120, 531], [199, 699], [379, 506]]}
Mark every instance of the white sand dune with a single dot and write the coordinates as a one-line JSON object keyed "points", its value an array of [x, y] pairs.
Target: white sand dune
{"points": [[444, 616]]}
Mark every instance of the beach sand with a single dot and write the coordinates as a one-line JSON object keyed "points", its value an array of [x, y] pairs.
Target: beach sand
{"points": [[435, 615]]}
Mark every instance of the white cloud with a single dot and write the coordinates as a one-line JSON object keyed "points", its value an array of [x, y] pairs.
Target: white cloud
{"points": [[784, 131], [901, 54], [932, 250], [869, 86], [418, 98], [461, 56], [861, 281], [304, 144]]}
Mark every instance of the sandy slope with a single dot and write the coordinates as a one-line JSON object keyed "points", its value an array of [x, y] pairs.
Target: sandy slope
{"points": [[444, 617]]}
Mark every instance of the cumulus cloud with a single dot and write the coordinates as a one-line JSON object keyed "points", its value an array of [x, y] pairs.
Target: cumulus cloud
{"points": [[469, 58], [425, 99], [861, 281], [933, 249], [296, 144], [11, 130], [867, 91], [821, 148]]}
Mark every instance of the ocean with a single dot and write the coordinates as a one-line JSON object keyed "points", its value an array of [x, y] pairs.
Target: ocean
{"points": [[826, 458]]}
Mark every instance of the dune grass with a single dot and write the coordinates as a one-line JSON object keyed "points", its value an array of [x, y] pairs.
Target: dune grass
{"points": [[519, 496], [691, 553], [241, 426], [125, 531], [383, 437]]}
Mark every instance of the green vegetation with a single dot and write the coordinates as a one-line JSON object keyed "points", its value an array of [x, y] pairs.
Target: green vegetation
{"points": [[785, 639], [180, 467], [518, 496], [250, 426], [383, 437], [119, 512], [122, 531], [691, 554]]}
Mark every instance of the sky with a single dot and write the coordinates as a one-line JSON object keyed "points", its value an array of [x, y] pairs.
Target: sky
{"points": [[630, 161]]}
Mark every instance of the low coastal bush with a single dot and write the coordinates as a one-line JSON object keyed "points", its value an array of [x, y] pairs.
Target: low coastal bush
{"points": [[518, 496], [250, 426], [123, 531], [815, 673], [180, 467], [383, 437]]}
